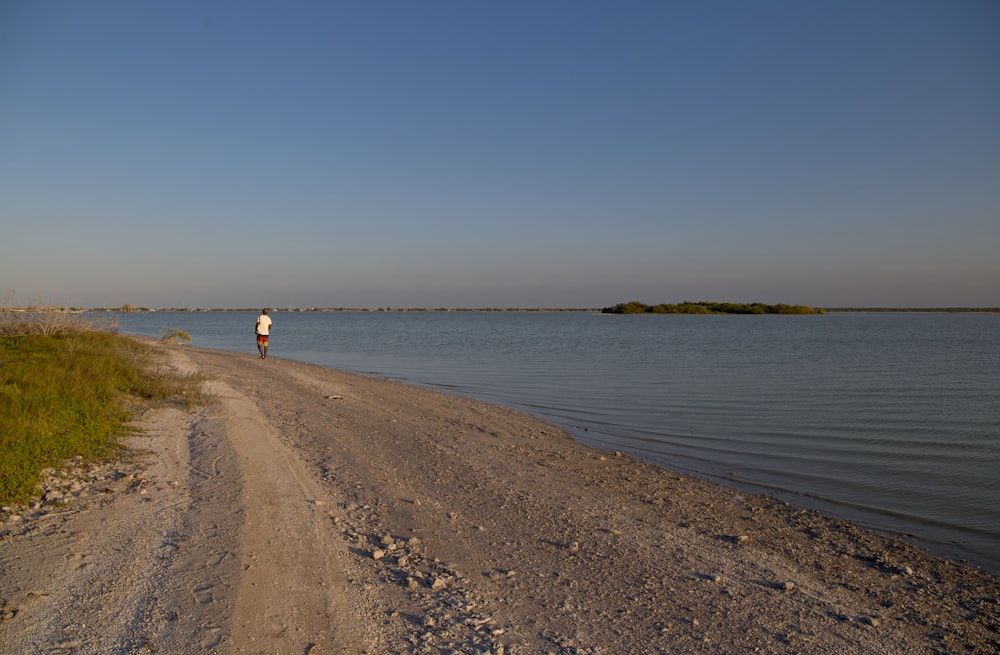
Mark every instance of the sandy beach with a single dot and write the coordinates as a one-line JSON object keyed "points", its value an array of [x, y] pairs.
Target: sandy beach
{"points": [[310, 511]]}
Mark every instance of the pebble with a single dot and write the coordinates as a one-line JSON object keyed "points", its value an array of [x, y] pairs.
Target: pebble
{"points": [[788, 585]]}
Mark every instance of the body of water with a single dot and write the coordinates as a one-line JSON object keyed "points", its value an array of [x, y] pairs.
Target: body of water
{"points": [[890, 420]]}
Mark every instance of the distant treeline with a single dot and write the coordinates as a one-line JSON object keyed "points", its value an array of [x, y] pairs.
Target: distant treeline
{"points": [[130, 308], [636, 307], [624, 308], [918, 310]]}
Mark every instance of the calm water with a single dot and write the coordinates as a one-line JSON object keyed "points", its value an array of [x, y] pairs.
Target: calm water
{"points": [[891, 420]]}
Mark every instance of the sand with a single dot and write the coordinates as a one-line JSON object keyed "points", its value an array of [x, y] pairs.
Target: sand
{"points": [[308, 510]]}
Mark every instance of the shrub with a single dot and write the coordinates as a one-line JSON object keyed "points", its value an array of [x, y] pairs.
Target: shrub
{"points": [[175, 335]]}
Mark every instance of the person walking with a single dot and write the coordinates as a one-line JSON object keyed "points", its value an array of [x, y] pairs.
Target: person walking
{"points": [[263, 332]]}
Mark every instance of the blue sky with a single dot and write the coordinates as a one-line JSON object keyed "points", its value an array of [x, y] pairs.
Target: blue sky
{"points": [[488, 154]]}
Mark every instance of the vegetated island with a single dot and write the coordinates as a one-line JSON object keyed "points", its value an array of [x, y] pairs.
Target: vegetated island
{"points": [[636, 307]]}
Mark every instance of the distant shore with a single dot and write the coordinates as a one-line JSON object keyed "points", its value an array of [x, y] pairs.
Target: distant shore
{"points": [[828, 310]]}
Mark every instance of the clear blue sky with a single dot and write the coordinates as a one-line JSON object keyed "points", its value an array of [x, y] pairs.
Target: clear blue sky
{"points": [[499, 154]]}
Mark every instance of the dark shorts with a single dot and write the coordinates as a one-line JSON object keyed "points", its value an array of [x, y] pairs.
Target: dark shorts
{"points": [[261, 340]]}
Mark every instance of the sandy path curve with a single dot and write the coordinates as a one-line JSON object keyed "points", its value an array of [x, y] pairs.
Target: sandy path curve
{"points": [[215, 541], [292, 591]]}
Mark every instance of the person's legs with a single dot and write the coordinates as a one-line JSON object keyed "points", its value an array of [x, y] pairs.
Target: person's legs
{"points": [[262, 346]]}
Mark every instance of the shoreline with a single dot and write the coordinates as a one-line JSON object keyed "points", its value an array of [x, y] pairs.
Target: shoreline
{"points": [[315, 509], [948, 522], [957, 519], [865, 517]]}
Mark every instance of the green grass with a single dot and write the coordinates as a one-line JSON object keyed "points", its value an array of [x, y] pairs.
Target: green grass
{"points": [[73, 394]]}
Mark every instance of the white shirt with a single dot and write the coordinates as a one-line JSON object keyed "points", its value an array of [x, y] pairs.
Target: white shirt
{"points": [[263, 324]]}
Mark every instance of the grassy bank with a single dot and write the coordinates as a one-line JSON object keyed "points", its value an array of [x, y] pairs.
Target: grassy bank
{"points": [[70, 391]]}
